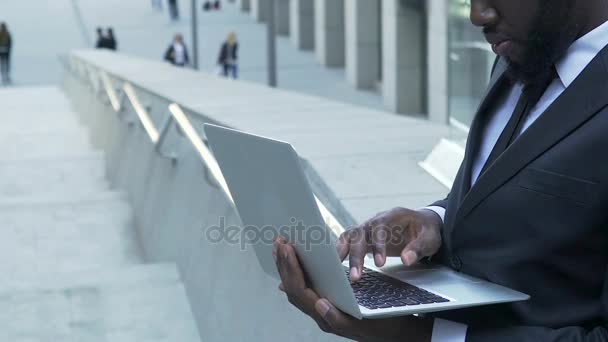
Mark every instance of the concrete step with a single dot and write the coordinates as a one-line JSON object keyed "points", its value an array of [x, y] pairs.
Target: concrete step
{"points": [[39, 111], [61, 177], [143, 303], [63, 144], [71, 265], [50, 235], [33, 97], [125, 276], [23, 122]]}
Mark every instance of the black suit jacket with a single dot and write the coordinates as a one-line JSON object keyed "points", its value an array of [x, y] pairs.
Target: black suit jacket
{"points": [[170, 54], [537, 219]]}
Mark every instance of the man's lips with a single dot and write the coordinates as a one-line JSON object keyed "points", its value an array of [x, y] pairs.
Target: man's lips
{"points": [[503, 48], [501, 44]]}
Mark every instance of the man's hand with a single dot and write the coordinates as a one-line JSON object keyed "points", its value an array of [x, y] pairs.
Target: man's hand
{"points": [[398, 232], [332, 320]]}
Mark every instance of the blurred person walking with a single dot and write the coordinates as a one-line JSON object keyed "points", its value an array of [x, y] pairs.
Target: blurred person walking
{"points": [[229, 56], [177, 53], [212, 5], [101, 39], [173, 10], [111, 40], [157, 4], [6, 44]]}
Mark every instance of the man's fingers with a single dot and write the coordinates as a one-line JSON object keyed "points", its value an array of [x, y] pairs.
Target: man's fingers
{"points": [[378, 238], [343, 246], [423, 246], [409, 257], [275, 246], [337, 320], [357, 250], [289, 268], [413, 252]]}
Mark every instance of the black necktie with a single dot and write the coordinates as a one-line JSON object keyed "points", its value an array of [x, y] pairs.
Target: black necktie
{"points": [[529, 97]]}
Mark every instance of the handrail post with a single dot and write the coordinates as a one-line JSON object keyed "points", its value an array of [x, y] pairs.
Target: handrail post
{"points": [[110, 92], [161, 140], [141, 112]]}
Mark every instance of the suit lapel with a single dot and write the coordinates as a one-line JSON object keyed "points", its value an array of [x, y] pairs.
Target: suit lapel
{"points": [[579, 103], [462, 182]]}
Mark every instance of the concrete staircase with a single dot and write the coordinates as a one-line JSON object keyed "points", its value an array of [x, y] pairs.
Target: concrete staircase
{"points": [[71, 268]]}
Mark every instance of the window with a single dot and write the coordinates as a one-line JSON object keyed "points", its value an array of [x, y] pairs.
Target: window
{"points": [[470, 60]]}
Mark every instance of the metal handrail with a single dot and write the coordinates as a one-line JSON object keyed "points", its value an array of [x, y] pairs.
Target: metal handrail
{"points": [[115, 100], [197, 142], [186, 128], [141, 112]]}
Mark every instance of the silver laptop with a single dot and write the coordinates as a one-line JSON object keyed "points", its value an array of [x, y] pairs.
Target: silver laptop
{"points": [[272, 196]]}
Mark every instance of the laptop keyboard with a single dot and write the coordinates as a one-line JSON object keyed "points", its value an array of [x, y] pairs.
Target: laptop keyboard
{"points": [[378, 291]]}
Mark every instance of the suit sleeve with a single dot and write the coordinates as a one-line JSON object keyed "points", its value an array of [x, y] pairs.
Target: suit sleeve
{"points": [[442, 203], [541, 334], [168, 53]]}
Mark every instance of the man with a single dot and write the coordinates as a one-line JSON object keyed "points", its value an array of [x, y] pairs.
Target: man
{"points": [[157, 4], [177, 53], [111, 42], [526, 208], [173, 10], [101, 42], [6, 46]]}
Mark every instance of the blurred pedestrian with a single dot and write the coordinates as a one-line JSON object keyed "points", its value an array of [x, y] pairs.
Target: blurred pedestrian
{"points": [[177, 53], [157, 4], [212, 5], [229, 56], [111, 40], [101, 39], [6, 44], [173, 10]]}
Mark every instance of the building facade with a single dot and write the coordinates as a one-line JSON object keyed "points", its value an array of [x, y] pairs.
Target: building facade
{"points": [[423, 56]]}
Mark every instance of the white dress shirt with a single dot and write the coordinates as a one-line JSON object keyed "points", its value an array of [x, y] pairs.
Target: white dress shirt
{"points": [[578, 56], [180, 53]]}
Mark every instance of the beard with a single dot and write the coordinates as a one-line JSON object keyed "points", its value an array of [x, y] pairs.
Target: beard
{"points": [[548, 41]]}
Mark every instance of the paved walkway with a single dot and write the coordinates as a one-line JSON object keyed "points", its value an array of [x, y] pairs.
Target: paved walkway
{"points": [[145, 32]]}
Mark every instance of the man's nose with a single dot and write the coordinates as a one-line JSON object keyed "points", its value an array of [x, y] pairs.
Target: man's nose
{"points": [[482, 13]]}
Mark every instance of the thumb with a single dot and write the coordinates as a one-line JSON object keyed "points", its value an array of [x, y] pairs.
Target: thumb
{"points": [[333, 317], [415, 250]]}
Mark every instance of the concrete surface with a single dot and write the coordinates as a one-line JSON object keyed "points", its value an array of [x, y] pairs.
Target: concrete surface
{"points": [[72, 267]]}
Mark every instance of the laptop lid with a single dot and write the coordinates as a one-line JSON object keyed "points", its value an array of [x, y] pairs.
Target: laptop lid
{"points": [[272, 196]]}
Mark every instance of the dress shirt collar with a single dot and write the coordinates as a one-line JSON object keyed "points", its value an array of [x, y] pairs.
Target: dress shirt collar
{"points": [[581, 53]]}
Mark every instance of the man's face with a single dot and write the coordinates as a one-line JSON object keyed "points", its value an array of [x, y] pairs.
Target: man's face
{"points": [[531, 34]]}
